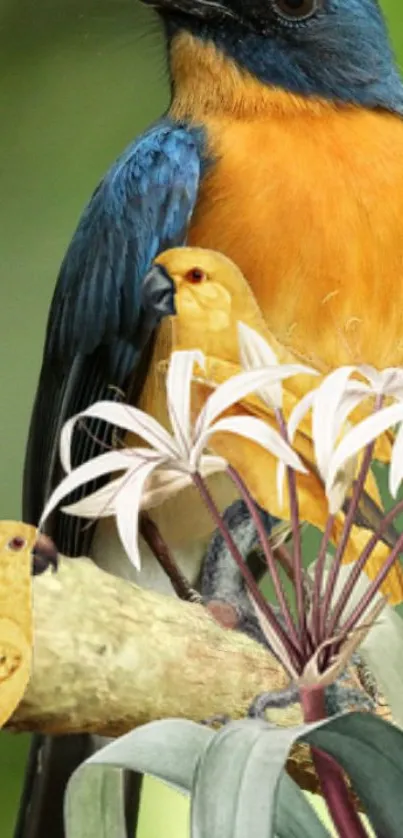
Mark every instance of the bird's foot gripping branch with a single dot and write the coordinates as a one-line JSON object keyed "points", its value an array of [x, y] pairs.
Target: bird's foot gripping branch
{"points": [[333, 609]]}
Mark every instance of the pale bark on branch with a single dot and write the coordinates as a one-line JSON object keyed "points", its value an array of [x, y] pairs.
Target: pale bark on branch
{"points": [[109, 656]]}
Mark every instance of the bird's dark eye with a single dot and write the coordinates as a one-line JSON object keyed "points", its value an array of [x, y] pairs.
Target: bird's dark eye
{"points": [[195, 275], [295, 9], [16, 543]]}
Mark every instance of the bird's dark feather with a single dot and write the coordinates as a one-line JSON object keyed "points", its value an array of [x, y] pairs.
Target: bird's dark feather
{"points": [[100, 329]]}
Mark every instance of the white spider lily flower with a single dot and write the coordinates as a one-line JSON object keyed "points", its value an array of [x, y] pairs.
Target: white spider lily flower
{"points": [[255, 353], [362, 435], [387, 382], [151, 475], [332, 402], [335, 399]]}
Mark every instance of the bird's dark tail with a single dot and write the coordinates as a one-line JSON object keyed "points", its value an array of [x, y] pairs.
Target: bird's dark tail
{"points": [[52, 760]]}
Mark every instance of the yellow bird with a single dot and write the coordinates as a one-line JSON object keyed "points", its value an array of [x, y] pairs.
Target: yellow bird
{"points": [[212, 296], [17, 541]]}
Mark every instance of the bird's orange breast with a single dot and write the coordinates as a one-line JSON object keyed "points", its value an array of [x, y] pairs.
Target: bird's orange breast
{"points": [[309, 203]]}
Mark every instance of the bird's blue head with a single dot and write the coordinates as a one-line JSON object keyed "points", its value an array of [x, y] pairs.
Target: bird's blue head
{"points": [[336, 49]]}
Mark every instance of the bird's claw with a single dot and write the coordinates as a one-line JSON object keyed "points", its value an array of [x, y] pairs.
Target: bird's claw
{"points": [[217, 719], [276, 699]]}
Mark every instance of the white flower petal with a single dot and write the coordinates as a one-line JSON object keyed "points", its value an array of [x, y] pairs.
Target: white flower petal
{"points": [[394, 385], [238, 387], [297, 415], [299, 412], [123, 416], [355, 393], [210, 464], [258, 431], [326, 415], [100, 504], [361, 435], [127, 507], [396, 465], [254, 350], [104, 464], [255, 353], [164, 484], [167, 482], [373, 375], [178, 383], [336, 493], [387, 382]]}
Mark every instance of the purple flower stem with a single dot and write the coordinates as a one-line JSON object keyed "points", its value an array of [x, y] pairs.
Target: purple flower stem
{"points": [[283, 557], [293, 652], [373, 589], [296, 533], [348, 523], [269, 556], [339, 803], [298, 566], [162, 553], [359, 565], [318, 579]]}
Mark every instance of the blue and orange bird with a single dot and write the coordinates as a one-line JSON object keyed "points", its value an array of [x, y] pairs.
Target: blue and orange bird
{"points": [[283, 149]]}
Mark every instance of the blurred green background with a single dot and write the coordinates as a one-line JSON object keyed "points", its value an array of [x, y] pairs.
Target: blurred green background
{"points": [[78, 80]]}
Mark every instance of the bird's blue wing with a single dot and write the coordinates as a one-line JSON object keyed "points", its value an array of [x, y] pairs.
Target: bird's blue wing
{"points": [[100, 328]]}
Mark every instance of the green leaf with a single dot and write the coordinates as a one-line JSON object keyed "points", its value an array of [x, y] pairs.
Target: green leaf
{"points": [[295, 816], [94, 804], [371, 752], [245, 761], [382, 651], [237, 780], [168, 750], [240, 780]]}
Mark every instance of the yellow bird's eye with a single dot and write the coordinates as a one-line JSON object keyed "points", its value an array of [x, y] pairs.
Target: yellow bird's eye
{"points": [[295, 10], [195, 275], [16, 543]]}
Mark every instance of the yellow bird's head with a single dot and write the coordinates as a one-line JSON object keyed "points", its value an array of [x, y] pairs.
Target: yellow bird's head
{"points": [[211, 296]]}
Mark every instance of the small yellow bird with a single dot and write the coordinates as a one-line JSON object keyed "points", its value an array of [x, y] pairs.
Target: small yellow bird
{"points": [[212, 296], [16, 544]]}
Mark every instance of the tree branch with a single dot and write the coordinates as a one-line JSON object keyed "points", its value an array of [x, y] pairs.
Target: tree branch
{"points": [[109, 656]]}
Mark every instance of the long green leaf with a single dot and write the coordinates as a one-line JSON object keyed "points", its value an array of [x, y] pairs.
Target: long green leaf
{"points": [[237, 780], [371, 752], [168, 750], [295, 816], [240, 788], [94, 804]]}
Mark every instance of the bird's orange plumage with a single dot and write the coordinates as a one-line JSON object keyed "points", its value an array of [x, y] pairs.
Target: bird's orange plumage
{"points": [[307, 198]]}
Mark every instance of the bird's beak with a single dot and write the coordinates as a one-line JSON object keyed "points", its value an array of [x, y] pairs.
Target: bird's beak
{"points": [[44, 555], [158, 292]]}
